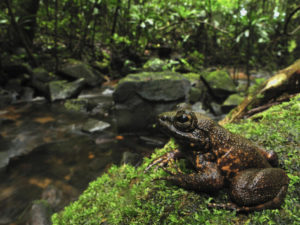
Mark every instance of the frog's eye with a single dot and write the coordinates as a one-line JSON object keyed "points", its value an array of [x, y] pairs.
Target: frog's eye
{"points": [[183, 118], [185, 121]]}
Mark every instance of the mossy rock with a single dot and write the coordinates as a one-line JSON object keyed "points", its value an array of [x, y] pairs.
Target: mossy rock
{"points": [[75, 69], [220, 82], [155, 64], [140, 97], [127, 195]]}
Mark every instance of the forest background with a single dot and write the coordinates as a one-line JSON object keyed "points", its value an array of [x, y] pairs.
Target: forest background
{"points": [[247, 33]]}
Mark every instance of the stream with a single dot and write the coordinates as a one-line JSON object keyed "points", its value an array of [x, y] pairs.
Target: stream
{"points": [[44, 152]]}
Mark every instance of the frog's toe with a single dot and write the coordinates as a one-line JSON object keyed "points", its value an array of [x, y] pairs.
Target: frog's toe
{"points": [[164, 160], [228, 206]]}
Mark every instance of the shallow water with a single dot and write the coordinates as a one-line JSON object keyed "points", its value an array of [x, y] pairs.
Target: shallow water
{"points": [[47, 148]]}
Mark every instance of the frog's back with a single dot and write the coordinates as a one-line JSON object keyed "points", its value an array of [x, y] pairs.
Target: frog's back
{"points": [[235, 153]]}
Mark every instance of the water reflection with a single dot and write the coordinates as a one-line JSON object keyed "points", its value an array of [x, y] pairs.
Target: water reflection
{"points": [[45, 148]]}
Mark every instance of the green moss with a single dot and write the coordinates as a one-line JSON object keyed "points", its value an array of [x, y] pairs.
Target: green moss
{"points": [[192, 77], [76, 104], [220, 79], [146, 76], [127, 195]]}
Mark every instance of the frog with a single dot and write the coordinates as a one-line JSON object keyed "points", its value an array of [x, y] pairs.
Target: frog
{"points": [[220, 159]]}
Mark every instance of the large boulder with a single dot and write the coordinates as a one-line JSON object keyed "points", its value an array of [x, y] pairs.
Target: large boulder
{"points": [[140, 97], [75, 69]]}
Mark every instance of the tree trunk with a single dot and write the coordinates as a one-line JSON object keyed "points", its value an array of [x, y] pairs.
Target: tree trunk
{"points": [[23, 38]]}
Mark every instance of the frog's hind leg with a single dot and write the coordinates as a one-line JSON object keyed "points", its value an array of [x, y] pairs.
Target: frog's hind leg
{"points": [[272, 204], [257, 189]]}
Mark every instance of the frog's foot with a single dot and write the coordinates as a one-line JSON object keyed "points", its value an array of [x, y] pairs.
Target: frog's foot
{"points": [[164, 160]]}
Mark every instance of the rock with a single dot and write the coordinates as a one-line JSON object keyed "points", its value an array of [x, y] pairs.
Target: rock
{"points": [[75, 69], [93, 125], [231, 102], [155, 65], [63, 89], [40, 213], [79, 105], [53, 196], [108, 92], [217, 110], [221, 83], [131, 158], [140, 97], [42, 74], [198, 107], [26, 94], [6, 97]]}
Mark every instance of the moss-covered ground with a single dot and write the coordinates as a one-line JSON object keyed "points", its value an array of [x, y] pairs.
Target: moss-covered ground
{"points": [[127, 195]]}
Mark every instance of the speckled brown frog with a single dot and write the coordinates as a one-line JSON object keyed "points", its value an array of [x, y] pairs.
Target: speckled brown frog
{"points": [[221, 158]]}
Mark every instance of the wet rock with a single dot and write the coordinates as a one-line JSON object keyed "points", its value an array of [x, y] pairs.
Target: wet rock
{"points": [[140, 97], [108, 92], [40, 213], [63, 89], [26, 94], [75, 69], [93, 125], [53, 196], [7, 97], [131, 158], [79, 105]]}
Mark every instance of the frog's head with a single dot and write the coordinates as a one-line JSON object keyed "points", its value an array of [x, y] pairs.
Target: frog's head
{"points": [[189, 129]]}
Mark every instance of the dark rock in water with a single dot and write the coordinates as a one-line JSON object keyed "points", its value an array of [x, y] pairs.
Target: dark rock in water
{"points": [[93, 125], [75, 69], [140, 97], [63, 89], [40, 213], [7, 97], [26, 94], [131, 158]]}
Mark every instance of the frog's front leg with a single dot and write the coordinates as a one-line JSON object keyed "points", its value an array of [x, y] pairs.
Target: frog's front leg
{"points": [[166, 159], [208, 179]]}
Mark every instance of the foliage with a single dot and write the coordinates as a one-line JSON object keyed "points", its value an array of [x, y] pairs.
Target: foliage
{"points": [[222, 31], [127, 195]]}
